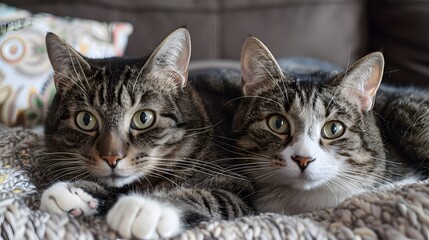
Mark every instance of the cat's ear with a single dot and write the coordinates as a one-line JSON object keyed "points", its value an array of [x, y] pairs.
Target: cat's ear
{"points": [[172, 57], [362, 79], [64, 59], [259, 68]]}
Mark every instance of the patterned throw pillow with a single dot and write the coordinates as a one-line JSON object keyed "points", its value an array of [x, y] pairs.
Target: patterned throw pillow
{"points": [[26, 83]]}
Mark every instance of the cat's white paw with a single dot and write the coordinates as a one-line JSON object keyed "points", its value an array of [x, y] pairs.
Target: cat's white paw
{"points": [[63, 198], [144, 218]]}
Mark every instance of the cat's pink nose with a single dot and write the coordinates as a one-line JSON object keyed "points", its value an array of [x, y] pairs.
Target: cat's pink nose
{"points": [[112, 161], [302, 162]]}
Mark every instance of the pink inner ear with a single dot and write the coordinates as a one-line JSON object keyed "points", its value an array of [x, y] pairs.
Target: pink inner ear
{"points": [[179, 80], [246, 70], [248, 73], [365, 102], [370, 88], [373, 82]]}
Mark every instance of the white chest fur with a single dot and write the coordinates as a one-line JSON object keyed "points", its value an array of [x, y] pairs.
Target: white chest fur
{"points": [[287, 200]]}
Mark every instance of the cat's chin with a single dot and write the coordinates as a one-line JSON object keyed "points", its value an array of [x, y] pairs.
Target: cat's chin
{"points": [[117, 181], [305, 185], [302, 182]]}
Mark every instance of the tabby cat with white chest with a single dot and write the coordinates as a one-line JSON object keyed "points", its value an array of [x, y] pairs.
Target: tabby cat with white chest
{"points": [[311, 142], [133, 133]]}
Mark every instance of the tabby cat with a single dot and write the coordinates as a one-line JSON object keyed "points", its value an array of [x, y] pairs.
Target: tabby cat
{"points": [[133, 133], [309, 142]]}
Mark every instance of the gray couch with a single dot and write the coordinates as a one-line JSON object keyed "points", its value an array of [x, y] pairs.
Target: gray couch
{"points": [[339, 31]]}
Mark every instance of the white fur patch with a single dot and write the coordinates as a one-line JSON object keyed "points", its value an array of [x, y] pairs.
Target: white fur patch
{"points": [[409, 179], [324, 167], [60, 198], [287, 200], [143, 218]]}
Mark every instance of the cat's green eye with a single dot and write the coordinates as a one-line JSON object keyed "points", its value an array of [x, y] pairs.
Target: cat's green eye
{"points": [[143, 119], [333, 129], [86, 121], [279, 124]]}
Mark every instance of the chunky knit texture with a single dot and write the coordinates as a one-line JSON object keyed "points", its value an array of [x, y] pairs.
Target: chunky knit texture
{"points": [[396, 213]]}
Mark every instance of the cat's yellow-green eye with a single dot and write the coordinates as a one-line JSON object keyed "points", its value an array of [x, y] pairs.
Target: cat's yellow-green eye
{"points": [[86, 121], [279, 124], [143, 119], [333, 129]]}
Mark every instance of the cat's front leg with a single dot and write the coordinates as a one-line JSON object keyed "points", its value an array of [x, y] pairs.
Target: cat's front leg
{"points": [[144, 218], [69, 197]]}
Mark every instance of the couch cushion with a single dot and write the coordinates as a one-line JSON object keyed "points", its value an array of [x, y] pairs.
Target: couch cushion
{"points": [[26, 83], [333, 30]]}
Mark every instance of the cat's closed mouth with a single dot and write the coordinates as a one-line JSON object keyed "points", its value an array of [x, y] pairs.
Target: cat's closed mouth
{"points": [[115, 176]]}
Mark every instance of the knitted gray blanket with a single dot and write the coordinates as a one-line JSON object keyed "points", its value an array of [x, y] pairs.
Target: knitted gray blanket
{"points": [[398, 213]]}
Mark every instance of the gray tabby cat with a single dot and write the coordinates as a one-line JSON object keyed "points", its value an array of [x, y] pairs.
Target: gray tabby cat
{"points": [[311, 142], [134, 133]]}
